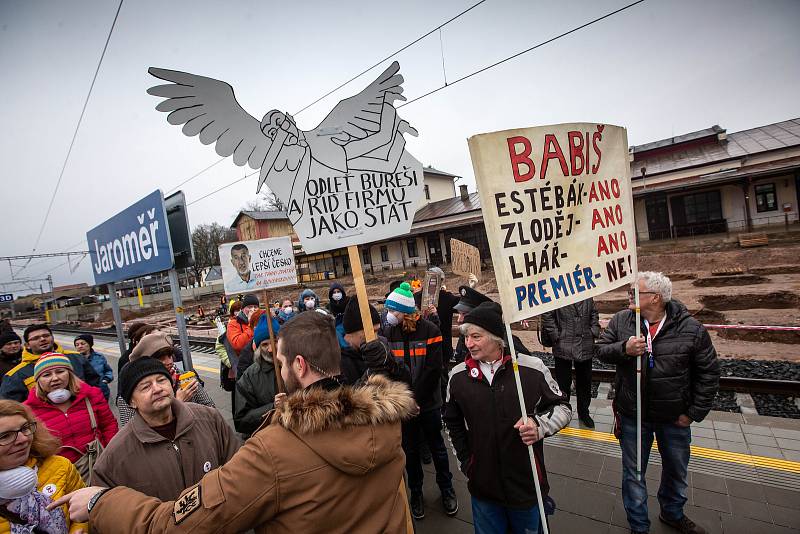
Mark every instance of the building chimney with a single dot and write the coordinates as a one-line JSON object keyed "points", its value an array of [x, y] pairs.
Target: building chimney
{"points": [[463, 192]]}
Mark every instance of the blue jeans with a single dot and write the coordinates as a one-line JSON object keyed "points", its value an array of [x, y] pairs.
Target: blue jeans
{"points": [[427, 426], [673, 445], [491, 518]]}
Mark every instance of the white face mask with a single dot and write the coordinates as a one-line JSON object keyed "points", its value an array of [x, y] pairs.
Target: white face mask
{"points": [[392, 319], [288, 309], [17, 482], [337, 296], [57, 396], [310, 304]]}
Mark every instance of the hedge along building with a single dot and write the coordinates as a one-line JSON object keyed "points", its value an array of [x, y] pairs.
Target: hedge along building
{"points": [[710, 181]]}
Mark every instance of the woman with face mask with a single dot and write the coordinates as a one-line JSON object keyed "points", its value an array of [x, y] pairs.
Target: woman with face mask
{"points": [[32, 475], [287, 310], [61, 401], [337, 301], [308, 301]]}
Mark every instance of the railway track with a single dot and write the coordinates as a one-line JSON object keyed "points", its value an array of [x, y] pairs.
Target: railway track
{"points": [[727, 383]]}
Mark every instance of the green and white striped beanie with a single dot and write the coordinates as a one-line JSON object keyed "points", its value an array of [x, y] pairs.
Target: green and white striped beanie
{"points": [[401, 299]]}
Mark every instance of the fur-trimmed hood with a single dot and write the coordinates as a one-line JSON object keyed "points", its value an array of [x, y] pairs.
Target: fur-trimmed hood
{"points": [[354, 428]]}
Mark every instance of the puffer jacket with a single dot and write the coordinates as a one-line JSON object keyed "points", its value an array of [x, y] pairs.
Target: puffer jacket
{"points": [[255, 394], [103, 369], [326, 449], [573, 330], [303, 294], [684, 378], [74, 427], [239, 333], [19, 380], [56, 476], [421, 353]]}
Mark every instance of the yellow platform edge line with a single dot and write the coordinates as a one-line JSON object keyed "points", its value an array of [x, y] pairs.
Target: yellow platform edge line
{"points": [[700, 452]]}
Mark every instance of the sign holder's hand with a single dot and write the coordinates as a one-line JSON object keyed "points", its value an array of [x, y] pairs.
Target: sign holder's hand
{"points": [[528, 431]]}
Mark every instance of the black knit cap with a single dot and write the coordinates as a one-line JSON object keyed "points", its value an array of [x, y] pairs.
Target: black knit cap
{"points": [[249, 300], [8, 336], [489, 316], [351, 320], [89, 338], [135, 371]]}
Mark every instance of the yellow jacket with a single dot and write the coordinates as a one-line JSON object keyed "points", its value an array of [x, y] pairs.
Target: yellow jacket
{"points": [[57, 475]]}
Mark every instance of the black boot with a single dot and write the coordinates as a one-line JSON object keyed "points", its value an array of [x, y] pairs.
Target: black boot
{"points": [[586, 420], [450, 502], [417, 505]]}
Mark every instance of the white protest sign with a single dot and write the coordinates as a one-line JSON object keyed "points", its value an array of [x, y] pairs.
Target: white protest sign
{"points": [[464, 258], [349, 181], [558, 210], [255, 265]]}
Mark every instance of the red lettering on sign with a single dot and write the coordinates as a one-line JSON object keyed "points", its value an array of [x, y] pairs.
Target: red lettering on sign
{"points": [[522, 157], [552, 150]]}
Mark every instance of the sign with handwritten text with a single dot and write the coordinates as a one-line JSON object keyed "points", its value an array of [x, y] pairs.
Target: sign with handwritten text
{"points": [[558, 210], [464, 258]]}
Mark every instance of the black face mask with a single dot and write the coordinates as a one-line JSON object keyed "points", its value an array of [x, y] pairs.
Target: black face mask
{"points": [[242, 317]]}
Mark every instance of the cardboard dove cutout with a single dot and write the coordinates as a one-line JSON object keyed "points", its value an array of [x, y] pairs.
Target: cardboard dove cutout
{"points": [[349, 181]]}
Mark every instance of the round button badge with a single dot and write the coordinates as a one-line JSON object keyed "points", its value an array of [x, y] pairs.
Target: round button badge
{"points": [[207, 467]]}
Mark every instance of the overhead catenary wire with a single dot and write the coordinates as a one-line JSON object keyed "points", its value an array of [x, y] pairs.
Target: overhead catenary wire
{"points": [[405, 47], [196, 175], [77, 128], [514, 56]]}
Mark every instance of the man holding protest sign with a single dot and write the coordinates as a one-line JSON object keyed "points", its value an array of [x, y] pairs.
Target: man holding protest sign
{"points": [[681, 379], [487, 430], [558, 212]]}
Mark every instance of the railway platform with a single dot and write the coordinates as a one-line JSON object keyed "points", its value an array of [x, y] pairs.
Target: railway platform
{"points": [[744, 473]]}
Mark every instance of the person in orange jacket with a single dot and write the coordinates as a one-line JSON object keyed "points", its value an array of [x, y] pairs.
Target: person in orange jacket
{"points": [[239, 332]]}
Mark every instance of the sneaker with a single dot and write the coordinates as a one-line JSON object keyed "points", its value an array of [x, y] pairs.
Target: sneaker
{"points": [[684, 525], [586, 420], [417, 505], [450, 502]]}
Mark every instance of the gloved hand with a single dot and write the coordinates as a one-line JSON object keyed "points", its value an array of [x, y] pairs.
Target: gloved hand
{"points": [[375, 353]]}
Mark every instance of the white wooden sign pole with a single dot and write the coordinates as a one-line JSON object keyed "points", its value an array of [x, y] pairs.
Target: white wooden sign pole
{"points": [[520, 396], [638, 383]]}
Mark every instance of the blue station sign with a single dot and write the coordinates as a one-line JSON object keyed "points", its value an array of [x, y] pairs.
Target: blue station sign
{"points": [[132, 243], [8, 297]]}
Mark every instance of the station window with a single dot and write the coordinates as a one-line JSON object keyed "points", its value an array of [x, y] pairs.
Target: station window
{"points": [[427, 192], [366, 254], [766, 199], [384, 253], [412, 248]]}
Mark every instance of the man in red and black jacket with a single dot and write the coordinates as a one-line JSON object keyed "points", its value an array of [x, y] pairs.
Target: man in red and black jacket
{"points": [[487, 430], [416, 344]]}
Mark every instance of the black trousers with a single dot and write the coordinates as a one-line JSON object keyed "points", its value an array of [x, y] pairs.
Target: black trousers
{"points": [[426, 426], [583, 381]]}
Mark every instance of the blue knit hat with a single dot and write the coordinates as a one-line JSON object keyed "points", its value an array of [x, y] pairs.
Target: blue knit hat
{"points": [[261, 331], [401, 299]]}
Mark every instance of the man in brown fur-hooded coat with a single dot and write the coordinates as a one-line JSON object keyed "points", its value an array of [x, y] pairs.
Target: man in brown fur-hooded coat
{"points": [[323, 448]]}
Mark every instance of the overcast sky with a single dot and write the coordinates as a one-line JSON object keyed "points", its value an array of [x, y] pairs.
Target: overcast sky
{"points": [[661, 68]]}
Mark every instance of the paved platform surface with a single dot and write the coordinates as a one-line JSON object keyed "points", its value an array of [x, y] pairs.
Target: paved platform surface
{"points": [[744, 475]]}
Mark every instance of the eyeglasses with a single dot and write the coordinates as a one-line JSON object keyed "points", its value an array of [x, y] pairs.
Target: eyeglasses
{"points": [[37, 338], [632, 293], [7, 438]]}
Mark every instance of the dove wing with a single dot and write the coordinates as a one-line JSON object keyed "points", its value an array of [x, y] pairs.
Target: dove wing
{"points": [[360, 115], [208, 108]]}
